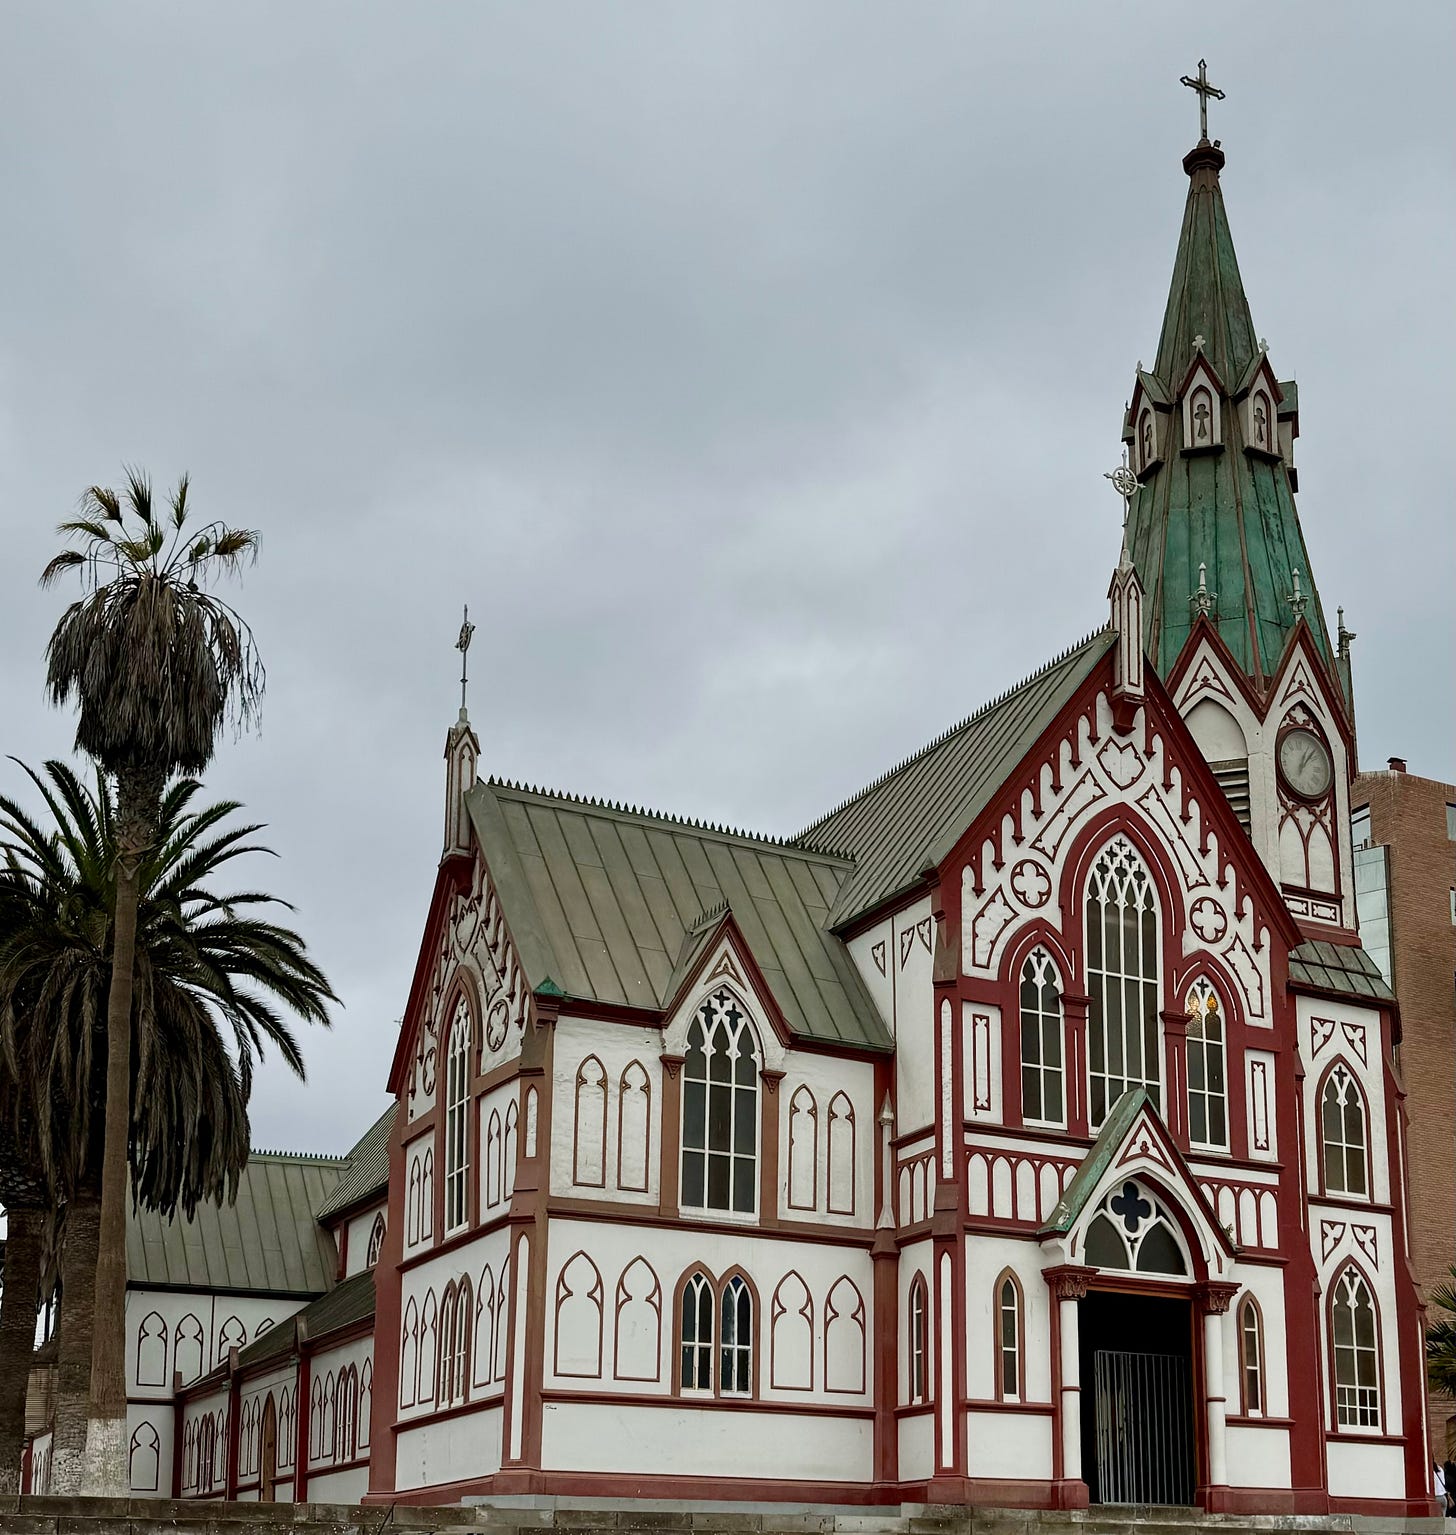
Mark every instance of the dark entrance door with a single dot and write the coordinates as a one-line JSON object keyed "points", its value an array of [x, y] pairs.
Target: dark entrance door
{"points": [[1138, 1427]]}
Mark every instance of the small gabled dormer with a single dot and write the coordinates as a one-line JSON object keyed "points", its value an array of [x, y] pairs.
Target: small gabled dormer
{"points": [[1202, 399], [1258, 397], [1149, 418]]}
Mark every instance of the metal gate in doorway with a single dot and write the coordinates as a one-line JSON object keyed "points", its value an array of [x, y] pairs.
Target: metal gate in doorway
{"points": [[1144, 1428]]}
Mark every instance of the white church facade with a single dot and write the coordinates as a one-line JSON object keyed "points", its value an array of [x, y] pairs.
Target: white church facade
{"points": [[1024, 1132]]}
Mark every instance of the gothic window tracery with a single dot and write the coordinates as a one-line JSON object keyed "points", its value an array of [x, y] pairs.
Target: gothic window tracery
{"points": [[1207, 1075], [1342, 1134], [716, 1335], [720, 1109], [1041, 1040], [1133, 1232], [1353, 1339], [376, 1242], [1122, 979]]}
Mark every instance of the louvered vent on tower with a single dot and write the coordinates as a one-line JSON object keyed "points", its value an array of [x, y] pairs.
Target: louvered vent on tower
{"points": [[1233, 779]]}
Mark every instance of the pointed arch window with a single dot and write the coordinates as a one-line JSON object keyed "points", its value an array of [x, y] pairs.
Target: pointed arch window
{"points": [[1122, 979], [1251, 1357], [720, 1109], [1342, 1133], [1132, 1231], [1353, 1339], [457, 1119], [919, 1339], [1207, 1085], [716, 1333], [376, 1242], [1010, 1352], [1042, 1100]]}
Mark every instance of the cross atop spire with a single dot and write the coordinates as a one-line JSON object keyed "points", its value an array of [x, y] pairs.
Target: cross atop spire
{"points": [[462, 644], [1205, 90]]}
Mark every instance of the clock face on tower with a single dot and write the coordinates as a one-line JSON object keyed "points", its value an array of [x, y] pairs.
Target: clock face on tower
{"points": [[1304, 764]]}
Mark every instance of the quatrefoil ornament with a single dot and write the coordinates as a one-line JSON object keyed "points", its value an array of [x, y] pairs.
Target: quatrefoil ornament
{"points": [[1131, 1206]]}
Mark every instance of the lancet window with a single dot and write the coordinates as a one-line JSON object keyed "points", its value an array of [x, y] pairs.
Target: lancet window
{"points": [[720, 1109], [919, 1339], [1008, 1338], [1342, 1131], [1122, 978], [457, 1119], [1207, 1083], [1041, 1041], [1251, 1357], [716, 1335], [1356, 1351]]}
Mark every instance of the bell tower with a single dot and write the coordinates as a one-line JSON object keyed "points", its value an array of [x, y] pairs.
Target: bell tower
{"points": [[1232, 618]]}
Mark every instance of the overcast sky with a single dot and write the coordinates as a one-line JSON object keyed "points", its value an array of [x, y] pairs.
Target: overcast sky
{"points": [[751, 370]]}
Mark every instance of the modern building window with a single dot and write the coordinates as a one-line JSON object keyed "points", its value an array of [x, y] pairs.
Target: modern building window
{"points": [[1357, 1355], [1360, 827], [1041, 1041], [1008, 1338], [720, 1109], [919, 1339], [1372, 902], [457, 1119], [1207, 1086], [1342, 1132], [1251, 1357], [1122, 978], [1451, 823]]}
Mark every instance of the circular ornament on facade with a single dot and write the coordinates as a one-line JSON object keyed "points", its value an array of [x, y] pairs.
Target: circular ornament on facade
{"points": [[1304, 763], [1031, 883], [1208, 919]]}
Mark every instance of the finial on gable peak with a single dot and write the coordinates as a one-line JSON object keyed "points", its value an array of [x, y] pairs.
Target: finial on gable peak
{"points": [[462, 752]]}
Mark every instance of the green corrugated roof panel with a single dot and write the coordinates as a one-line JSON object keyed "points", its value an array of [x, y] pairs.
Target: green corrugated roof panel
{"points": [[1339, 967], [267, 1240], [1229, 510], [605, 901], [366, 1169], [911, 817]]}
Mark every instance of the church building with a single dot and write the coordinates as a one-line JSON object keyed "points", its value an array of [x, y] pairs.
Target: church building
{"points": [[1023, 1132]]}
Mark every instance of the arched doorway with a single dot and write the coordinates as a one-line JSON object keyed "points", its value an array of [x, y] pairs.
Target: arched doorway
{"points": [[1138, 1348], [268, 1452]]}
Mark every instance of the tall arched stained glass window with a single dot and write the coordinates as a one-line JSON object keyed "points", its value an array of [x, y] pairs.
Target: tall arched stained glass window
{"points": [[1041, 1041], [720, 1109], [1122, 979]]}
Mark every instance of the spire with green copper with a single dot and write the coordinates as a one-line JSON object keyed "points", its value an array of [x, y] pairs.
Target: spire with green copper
{"points": [[1212, 527]]}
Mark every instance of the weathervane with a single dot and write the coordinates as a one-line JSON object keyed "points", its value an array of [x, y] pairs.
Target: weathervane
{"points": [[463, 646], [1205, 90], [1124, 482]]}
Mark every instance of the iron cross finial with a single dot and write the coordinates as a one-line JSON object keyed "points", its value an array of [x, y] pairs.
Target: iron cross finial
{"points": [[462, 644], [1205, 90]]}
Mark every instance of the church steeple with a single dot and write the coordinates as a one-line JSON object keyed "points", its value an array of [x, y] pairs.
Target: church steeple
{"points": [[1211, 435]]}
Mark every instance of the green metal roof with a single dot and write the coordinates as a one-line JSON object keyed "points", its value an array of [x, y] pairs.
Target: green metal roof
{"points": [[1227, 509], [366, 1170], [603, 901], [267, 1240], [1114, 1131], [910, 818], [1339, 967]]}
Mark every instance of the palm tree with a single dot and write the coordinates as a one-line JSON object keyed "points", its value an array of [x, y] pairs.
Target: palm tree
{"points": [[1441, 1337], [214, 978], [156, 664]]}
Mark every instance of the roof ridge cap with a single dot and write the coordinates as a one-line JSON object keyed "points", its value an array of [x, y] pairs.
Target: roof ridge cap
{"points": [[945, 735], [671, 818], [298, 1156]]}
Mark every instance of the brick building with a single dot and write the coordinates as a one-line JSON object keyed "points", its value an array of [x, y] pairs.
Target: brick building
{"points": [[1404, 834]]}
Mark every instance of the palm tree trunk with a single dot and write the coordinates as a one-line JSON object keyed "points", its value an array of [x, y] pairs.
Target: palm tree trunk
{"points": [[105, 1474], [24, 1240], [73, 1343]]}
